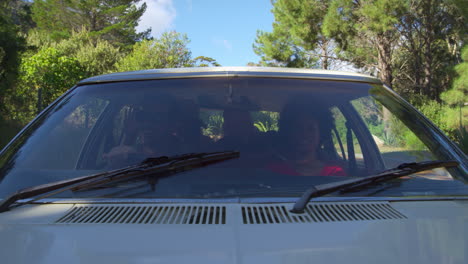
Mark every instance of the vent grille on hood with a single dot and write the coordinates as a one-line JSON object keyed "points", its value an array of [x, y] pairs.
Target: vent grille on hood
{"points": [[212, 215], [216, 215], [321, 212]]}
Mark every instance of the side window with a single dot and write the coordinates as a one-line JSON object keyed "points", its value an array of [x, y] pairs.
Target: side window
{"points": [[66, 139], [118, 131], [212, 123], [122, 120], [396, 143], [238, 122], [265, 121], [348, 148], [110, 138]]}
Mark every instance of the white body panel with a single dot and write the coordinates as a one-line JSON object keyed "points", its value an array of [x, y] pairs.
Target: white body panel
{"points": [[433, 232]]}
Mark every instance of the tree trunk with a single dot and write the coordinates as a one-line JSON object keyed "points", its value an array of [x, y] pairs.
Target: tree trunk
{"points": [[324, 48], [428, 38], [39, 100], [385, 73], [385, 59], [427, 66], [414, 51]]}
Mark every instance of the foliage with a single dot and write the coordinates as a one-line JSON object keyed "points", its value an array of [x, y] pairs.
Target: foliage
{"points": [[451, 120], [458, 95], [56, 67], [433, 34], [96, 56], [11, 44], [20, 13], [447, 118], [265, 121], [277, 49], [36, 40], [203, 61], [411, 141], [377, 130], [47, 75], [114, 21], [366, 31], [296, 39], [214, 125], [168, 51], [9, 129], [411, 45], [461, 137]]}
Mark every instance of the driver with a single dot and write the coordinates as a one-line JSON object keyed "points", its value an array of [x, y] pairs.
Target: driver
{"points": [[301, 127], [151, 134]]}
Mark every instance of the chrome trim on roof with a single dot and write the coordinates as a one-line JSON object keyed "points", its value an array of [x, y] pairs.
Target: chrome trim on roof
{"points": [[231, 72]]}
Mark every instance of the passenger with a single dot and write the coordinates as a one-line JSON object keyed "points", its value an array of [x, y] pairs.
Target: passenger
{"points": [[301, 128], [150, 134]]}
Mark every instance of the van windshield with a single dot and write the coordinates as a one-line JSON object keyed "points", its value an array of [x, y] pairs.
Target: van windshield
{"points": [[291, 134]]}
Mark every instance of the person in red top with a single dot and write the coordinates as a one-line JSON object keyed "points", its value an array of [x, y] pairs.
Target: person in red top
{"points": [[299, 141]]}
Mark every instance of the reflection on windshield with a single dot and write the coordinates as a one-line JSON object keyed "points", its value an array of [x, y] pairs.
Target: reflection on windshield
{"points": [[288, 131]]}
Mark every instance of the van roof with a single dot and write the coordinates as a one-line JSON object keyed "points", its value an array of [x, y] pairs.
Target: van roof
{"points": [[204, 72]]}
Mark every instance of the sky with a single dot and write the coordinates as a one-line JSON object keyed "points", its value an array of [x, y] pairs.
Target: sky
{"points": [[220, 29]]}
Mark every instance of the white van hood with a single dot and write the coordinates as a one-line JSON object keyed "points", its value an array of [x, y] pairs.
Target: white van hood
{"points": [[429, 232]]}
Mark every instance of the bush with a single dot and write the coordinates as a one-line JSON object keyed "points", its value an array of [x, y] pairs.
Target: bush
{"points": [[8, 130], [412, 141], [461, 136], [451, 120]]}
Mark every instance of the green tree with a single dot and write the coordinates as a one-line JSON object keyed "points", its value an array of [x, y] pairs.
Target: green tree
{"points": [[168, 51], [433, 32], [47, 75], [95, 55], [11, 44], [56, 67], [277, 49], [20, 13], [458, 95], [296, 39], [115, 21], [14, 23], [367, 32], [203, 61]]}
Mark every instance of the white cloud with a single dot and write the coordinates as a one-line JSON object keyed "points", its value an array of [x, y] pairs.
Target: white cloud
{"points": [[159, 16], [223, 42]]}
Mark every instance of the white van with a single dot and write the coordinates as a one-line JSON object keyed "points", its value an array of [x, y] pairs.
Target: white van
{"points": [[232, 165]]}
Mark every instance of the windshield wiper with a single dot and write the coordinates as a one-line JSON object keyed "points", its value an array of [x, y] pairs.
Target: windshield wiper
{"points": [[343, 186], [153, 168]]}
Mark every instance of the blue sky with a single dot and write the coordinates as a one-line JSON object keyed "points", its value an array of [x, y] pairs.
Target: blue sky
{"points": [[223, 30]]}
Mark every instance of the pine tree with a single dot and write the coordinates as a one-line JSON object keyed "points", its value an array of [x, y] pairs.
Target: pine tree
{"points": [[115, 21], [296, 39]]}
